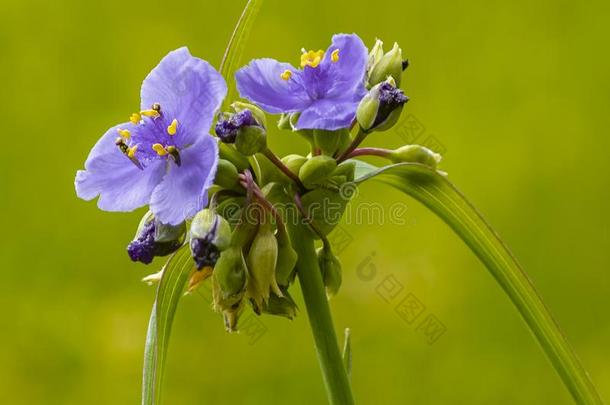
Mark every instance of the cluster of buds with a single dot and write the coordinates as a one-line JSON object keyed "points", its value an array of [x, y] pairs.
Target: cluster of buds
{"points": [[380, 109]]}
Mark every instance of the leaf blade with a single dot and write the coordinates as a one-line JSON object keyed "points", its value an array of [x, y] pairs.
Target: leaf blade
{"points": [[170, 288], [438, 194], [235, 48]]}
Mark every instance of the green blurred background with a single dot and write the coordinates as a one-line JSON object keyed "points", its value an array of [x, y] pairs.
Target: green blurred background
{"points": [[515, 93]]}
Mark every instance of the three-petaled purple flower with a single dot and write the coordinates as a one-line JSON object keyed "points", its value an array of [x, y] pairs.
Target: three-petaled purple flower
{"points": [[326, 91], [164, 156]]}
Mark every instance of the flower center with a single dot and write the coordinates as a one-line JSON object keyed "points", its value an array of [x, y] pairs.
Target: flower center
{"points": [[311, 58], [152, 137]]}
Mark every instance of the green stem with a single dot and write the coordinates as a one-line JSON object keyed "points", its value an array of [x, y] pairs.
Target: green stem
{"points": [[329, 356], [357, 141]]}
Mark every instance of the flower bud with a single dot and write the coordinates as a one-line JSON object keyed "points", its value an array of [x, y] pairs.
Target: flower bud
{"points": [[155, 239], [244, 130], [415, 154], [229, 278], [210, 235], [261, 261], [375, 56], [380, 109], [294, 162], [317, 169], [331, 270], [387, 65], [227, 175], [286, 260], [347, 169]]}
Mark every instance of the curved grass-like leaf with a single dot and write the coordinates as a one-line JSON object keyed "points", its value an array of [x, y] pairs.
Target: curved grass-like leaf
{"points": [[175, 275], [235, 48], [437, 193]]}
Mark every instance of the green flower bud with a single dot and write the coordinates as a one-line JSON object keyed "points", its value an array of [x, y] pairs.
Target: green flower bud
{"points": [[375, 56], [210, 226], [415, 154], [388, 65], [294, 162], [347, 169], [286, 260], [317, 169], [229, 277], [329, 141], [210, 235], [258, 114], [262, 259], [331, 270], [251, 139], [227, 175], [229, 153], [155, 239], [380, 109]]}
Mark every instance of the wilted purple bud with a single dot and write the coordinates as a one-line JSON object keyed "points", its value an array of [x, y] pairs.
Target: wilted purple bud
{"points": [[155, 239], [210, 234], [381, 107]]}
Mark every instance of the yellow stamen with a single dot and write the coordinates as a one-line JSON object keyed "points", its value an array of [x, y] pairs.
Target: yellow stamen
{"points": [[286, 75], [161, 151], [312, 58], [172, 127], [135, 118], [335, 55], [131, 152], [124, 133], [150, 113]]}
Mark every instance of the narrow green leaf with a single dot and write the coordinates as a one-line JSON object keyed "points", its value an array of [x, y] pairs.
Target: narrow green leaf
{"points": [[437, 193], [235, 49], [175, 275]]}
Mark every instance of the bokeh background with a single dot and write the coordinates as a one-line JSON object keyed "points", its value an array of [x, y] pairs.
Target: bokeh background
{"points": [[516, 94]]}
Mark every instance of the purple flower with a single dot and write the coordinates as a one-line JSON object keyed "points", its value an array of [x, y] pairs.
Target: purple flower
{"points": [[164, 156], [326, 91]]}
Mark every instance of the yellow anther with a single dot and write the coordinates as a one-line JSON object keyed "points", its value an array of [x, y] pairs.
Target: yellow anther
{"points": [[286, 75], [312, 58], [150, 113], [335, 55], [160, 149], [131, 152], [135, 118], [124, 133], [171, 129]]}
